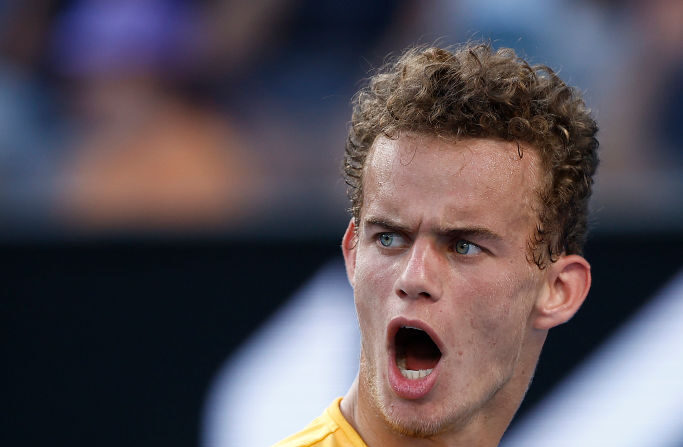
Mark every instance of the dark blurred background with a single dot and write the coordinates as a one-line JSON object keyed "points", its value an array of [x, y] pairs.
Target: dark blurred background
{"points": [[169, 177]]}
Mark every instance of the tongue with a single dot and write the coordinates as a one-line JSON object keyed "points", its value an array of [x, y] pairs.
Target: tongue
{"points": [[420, 356]]}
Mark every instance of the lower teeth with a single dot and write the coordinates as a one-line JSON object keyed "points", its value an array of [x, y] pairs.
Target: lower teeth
{"points": [[412, 373], [415, 374]]}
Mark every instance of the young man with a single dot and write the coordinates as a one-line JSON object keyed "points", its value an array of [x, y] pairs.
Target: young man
{"points": [[469, 174]]}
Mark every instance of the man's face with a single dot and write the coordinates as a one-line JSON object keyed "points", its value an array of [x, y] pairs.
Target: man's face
{"points": [[443, 289]]}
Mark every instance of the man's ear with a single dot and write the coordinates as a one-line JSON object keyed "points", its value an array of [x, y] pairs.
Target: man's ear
{"points": [[569, 279], [349, 243]]}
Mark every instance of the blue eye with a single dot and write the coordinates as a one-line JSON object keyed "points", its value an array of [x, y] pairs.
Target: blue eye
{"points": [[386, 239], [392, 240], [464, 247]]}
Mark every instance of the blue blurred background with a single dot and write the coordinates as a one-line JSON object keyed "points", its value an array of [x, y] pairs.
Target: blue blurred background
{"points": [[170, 189]]}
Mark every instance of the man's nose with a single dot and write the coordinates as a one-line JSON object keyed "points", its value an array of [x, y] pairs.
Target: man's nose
{"points": [[420, 276]]}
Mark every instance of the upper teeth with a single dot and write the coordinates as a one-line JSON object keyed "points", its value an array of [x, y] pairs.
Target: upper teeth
{"points": [[412, 373]]}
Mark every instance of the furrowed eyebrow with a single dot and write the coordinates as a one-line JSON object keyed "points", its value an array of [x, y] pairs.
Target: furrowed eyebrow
{"points": [[393, 226], [470, 232], [466, 232]]}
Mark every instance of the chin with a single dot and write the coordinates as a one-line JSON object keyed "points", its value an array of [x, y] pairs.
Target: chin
{"points": [[417, 425], [425, 418], [410, 418]]}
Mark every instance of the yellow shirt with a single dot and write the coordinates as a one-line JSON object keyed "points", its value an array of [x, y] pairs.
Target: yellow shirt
{"points": [[330, 429]]}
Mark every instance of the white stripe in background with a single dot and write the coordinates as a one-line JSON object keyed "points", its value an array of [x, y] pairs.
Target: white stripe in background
{"points": [[290, 370], [629, 393]]}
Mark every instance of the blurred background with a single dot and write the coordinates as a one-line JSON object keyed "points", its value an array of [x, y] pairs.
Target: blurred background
{"points": [[172, 208]]}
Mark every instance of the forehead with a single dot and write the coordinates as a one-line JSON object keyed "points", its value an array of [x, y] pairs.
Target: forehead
{"points": [[477, 178]]}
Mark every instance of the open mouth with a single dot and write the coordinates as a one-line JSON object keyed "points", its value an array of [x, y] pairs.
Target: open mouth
{"points": [[416, 352]]}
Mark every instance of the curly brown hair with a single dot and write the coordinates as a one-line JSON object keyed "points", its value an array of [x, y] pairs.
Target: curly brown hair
{"points": [[476, 91]]}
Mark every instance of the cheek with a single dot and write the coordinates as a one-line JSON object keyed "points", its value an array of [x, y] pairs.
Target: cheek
{"points": [[375, 276], [498, 309], [373, 284]]}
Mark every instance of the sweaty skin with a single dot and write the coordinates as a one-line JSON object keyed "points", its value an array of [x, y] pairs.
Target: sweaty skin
{"points": [[442, 241]]}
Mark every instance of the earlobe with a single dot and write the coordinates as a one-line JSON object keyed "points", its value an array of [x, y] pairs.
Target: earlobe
{"points": [[349, 243], [569, 280]]}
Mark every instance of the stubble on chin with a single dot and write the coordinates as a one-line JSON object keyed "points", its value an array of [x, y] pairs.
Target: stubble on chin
{"points": [[422, 427]]}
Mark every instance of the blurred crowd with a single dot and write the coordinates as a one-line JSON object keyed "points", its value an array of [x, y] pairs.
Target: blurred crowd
{"points": [[120, 116]]}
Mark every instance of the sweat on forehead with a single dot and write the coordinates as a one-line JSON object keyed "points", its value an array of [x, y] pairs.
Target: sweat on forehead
{"points": [[516, 166]]}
